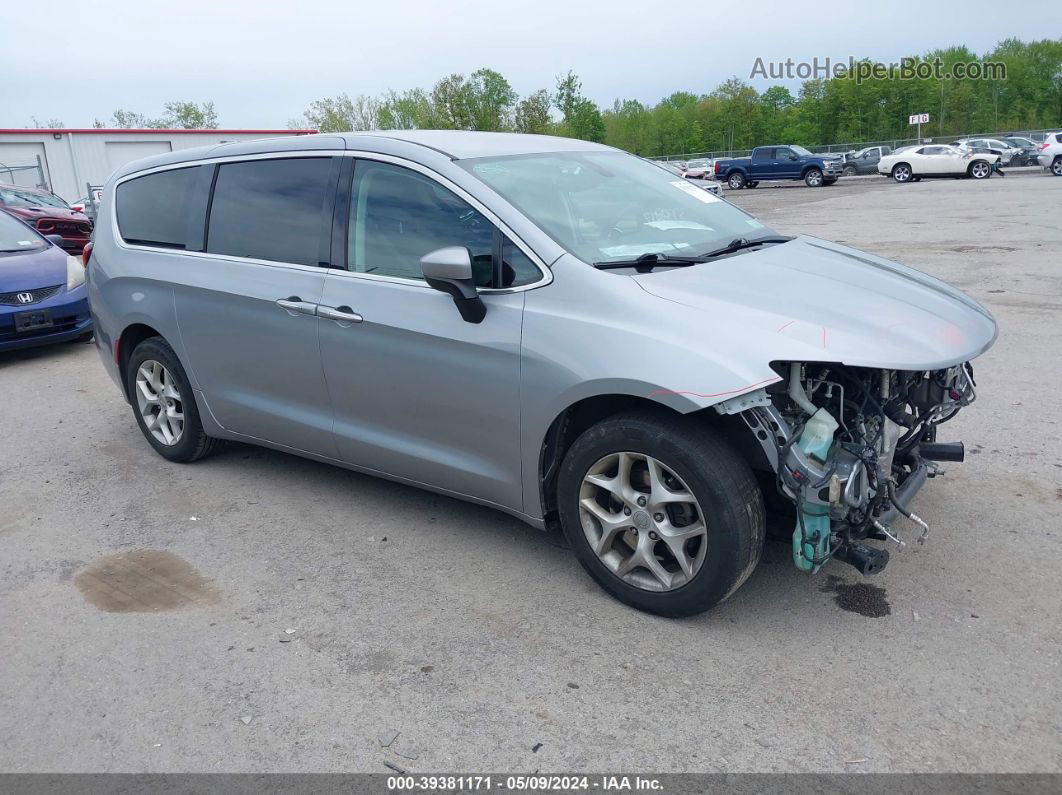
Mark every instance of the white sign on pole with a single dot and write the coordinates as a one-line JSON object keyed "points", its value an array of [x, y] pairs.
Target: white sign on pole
{"points": [[918, 118]]}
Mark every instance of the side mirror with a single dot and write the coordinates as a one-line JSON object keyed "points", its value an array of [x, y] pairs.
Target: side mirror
{"points": [[793, 156], [55, 240], [450, 271]]}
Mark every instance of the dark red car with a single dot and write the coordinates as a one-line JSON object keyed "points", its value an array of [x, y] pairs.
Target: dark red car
{"points": [[48, 214]]}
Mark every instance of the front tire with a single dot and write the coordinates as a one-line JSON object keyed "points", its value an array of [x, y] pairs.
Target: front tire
{"points": [[901, 172], [736, 181], [849, 171], [662, 513], [813, 178], [163, 403]]}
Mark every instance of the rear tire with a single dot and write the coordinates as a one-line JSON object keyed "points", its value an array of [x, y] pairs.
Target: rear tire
{"points": [[689, 459], [736, 181], [979, 169], [160, 393]]}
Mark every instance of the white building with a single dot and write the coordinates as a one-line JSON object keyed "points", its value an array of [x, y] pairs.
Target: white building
{"points": [[71, 159]]}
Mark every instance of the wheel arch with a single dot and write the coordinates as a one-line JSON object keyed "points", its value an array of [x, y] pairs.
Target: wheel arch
{"points": [[131, 336], [581, 415]]}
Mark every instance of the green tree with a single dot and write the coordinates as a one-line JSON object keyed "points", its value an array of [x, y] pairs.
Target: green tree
{"points": [[490, 101], [532, 113]]}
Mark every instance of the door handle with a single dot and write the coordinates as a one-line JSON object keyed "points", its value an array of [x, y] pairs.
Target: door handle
{"points": [[343, 315], [296, 306]]}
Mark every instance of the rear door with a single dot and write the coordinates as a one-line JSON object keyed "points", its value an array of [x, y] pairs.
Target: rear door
{"points": [[763, 164], [419, 393], [247, 304]]}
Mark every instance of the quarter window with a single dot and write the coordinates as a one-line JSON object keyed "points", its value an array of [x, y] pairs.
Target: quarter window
{"points": [[153, 210], [272, 209], [397, 216]]}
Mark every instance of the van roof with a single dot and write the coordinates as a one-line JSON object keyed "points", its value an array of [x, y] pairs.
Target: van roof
{"points": [[452, 144]]}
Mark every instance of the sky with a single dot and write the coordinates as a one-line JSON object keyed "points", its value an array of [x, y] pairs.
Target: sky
{"points": [[263, 61]]}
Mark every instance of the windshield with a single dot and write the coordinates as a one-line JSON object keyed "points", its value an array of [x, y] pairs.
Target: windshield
{"points": [[605, 206], [17, 236], [14, 197], [801, 151]]}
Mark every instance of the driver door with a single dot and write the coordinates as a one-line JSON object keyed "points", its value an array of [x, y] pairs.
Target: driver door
{"points": [[417, 392]]}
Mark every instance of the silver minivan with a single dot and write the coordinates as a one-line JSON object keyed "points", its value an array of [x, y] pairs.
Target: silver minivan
{"points": [[550, 327]]}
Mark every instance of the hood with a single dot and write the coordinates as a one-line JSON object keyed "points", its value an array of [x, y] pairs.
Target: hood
{"points": [[30, 270], [55, 213], [811, 300]]}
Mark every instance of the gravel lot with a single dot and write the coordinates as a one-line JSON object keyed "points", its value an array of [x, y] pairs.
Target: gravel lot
{"points": [[476, 638]]}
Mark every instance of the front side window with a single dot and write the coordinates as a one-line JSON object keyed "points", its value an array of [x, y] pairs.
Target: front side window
{"points": [[608, 205], [153, 210], [398, 215], [272, 209]]}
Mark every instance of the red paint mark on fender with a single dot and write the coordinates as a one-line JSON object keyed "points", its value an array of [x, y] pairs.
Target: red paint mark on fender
{"points": [[774, 380], [784, 326]]}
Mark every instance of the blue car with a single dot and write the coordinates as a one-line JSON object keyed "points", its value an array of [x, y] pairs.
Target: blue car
{"points": [[43, 298]]}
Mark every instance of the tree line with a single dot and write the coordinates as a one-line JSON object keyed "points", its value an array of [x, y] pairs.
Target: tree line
{"points": [[734, 115]]}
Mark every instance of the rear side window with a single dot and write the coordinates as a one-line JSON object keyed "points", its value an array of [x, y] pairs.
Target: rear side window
{"points": [[272, 209], [153, 210]]}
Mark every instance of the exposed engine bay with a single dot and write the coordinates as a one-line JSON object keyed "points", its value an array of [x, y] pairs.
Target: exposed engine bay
{"points": [[850, 447]]}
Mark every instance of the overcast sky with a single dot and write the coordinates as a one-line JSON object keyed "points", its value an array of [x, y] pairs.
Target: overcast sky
{"points": [[262, 61]]}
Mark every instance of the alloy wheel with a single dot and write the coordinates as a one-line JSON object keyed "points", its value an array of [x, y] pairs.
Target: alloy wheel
{"points": [[1056, 167], [901, 173], [159, 401], [642, 521], [980, 170], [814, 179]]}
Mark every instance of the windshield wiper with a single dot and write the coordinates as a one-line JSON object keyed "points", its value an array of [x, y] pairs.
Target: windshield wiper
{"points": [[741, 243], [646, 262]]}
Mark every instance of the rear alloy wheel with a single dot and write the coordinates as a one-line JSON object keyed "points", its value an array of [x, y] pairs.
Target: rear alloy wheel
{"points": [[813, 179], [736, 181], [901, 172], [159, 402], [980, 169], [662, 513], [163, 403], [1056, 166]]}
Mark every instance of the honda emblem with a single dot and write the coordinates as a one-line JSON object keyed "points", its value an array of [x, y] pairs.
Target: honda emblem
{"points": [[25, 298]]}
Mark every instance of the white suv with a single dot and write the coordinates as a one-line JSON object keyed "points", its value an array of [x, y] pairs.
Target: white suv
{"points": [[1050, 154]]}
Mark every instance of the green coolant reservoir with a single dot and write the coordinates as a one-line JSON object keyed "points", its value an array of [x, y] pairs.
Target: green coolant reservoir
{"points": [[813, 542]]}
